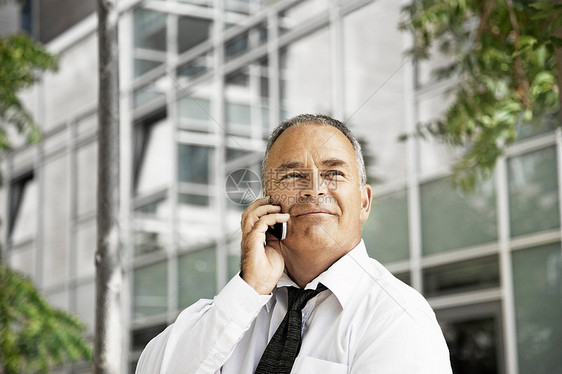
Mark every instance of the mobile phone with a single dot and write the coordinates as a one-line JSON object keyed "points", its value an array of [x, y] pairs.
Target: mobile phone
{"points": [[279, 230]]}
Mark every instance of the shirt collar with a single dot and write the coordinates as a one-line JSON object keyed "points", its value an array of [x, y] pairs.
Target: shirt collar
{"points": [[340, 278]]}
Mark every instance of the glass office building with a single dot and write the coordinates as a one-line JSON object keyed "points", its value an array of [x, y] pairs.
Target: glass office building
{"points": [[203, 82]]}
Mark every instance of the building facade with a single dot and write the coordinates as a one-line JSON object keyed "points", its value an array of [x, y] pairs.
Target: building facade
{"points": [[203, 82]]}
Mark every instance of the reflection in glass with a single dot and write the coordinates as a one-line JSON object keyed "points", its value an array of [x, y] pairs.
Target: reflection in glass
{"points": [[386, 231], [151, 92], [473, 345], [86, 171], [192, 31], [23, 209], [146, 241], [537, 287], [194, 113], [142, 66], [451, 219], [296, 15], [153, 156], [56, 220], [195, 67], [246, 99], [197, 276], [194, 163], [150, 29], [150, 290], [193, 199], [237, 45], [372, 53], [305, 75], [533, 192], [470, 275]]}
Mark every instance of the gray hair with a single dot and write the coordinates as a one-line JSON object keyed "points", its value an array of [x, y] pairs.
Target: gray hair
{"points": [[318, 119]]}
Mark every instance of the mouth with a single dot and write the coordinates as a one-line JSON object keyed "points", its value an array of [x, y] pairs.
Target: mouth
{"points": [[314, 213]]}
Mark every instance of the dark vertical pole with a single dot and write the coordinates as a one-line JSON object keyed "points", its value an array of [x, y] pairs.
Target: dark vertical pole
{"points": [[107, 346]]}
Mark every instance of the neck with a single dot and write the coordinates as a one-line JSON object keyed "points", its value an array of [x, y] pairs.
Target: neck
{"points": [[305, 265]]}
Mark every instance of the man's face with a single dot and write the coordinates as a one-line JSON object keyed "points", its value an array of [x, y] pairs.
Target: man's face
{"points": [[312, 174]]}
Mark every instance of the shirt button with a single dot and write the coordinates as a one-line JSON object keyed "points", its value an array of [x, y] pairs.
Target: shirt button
{"points": [[219, 356]]}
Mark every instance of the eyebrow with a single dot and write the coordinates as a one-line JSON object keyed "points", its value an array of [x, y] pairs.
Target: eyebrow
{"points": [[330, 162]]}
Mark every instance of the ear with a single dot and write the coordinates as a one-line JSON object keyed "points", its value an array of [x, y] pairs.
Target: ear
{"points": [[366, 200]]}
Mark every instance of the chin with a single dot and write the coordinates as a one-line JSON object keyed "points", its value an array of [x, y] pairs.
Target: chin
{"points": [[313, 237]]}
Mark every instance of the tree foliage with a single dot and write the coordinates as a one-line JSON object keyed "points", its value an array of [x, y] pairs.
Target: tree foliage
{"points": [[21, 62], [33, 335], [502, 54]]}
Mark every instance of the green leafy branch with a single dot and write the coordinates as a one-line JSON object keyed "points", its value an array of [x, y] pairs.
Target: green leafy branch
{"points": [[503, 59]]}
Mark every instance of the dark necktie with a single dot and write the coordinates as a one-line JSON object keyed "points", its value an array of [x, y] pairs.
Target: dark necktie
{"points": [[284, 346]]}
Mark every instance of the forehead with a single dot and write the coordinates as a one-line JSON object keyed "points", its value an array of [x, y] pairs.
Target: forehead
{"points": [[311, 141]]}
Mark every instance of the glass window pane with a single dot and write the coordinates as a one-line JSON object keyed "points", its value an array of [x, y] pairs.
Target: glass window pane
{"points": [[451, 219], [150, 29], [86, 248], [151, 92], [377, 118], [86, 171], [386, 231], [246, 99], [55, 222], [193, 199], [195, 108], [305, 75], [194, 163], [23, 260], [73, 86], [146, 241], [236, 46], [155, 172], [142, 66], [23, 209], [150, 290], [195, 68], [297, 15], [158, 210], [533, 192], [463, 276], [197, 276], [233, 264], [192, 31], [537, 287], [86, 305]]}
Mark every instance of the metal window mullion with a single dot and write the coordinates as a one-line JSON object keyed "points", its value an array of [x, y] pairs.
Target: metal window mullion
{"points": [[413, 187], [7, 170], [72, 214], [273, 68], [125, 178], [559, 171], [40, 173], [506, 275], [172, 249], [218, 111], [337, 65]]}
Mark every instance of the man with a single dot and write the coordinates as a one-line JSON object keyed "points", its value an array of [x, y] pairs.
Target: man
{"points": [[352, 317]]}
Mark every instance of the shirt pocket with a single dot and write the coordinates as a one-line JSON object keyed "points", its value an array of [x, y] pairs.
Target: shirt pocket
{"points": [[309, 365]]}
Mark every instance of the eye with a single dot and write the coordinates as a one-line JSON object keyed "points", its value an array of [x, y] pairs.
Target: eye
{"points": [[332, 174], [292, 174]]}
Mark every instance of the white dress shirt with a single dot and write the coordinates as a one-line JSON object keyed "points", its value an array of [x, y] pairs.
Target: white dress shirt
{"points": [[367, 321]]}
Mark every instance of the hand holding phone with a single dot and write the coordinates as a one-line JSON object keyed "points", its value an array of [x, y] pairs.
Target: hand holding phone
{"points": [[279, 230]]}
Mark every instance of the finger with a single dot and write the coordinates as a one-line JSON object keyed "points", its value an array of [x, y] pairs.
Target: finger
{"points": [[269, 220], [253, 216]]}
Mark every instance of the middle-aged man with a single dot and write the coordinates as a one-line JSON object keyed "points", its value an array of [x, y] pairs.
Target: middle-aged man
{"points": [[347, 313]]}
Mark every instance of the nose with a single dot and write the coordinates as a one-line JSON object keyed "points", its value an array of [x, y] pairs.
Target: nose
{"points": [[314, 185]]}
